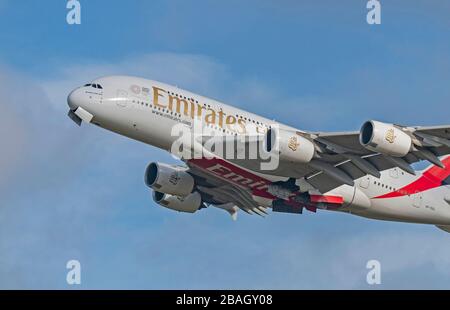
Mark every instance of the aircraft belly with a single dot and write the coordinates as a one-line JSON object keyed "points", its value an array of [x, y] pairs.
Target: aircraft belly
{"points": [[406, 209]]}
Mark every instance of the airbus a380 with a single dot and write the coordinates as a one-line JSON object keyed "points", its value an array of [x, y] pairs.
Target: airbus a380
{"points": [[366, 173]]}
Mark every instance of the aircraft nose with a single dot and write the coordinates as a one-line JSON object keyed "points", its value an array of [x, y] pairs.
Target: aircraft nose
{"points": [[74, 100]]}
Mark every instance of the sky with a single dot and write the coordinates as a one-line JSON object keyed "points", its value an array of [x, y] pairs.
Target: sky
{"points": [[78, 193]]}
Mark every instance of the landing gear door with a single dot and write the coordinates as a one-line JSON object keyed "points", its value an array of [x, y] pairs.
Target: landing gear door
{"points": [[122, 98]]}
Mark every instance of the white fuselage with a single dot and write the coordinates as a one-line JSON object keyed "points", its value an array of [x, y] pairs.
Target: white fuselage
{"points": [[147, 111]]}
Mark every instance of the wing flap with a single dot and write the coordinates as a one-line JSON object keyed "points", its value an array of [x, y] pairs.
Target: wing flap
{"points": [[344, 151]]}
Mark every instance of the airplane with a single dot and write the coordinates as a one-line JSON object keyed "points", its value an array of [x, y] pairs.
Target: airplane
{"points": [[366, 173]]}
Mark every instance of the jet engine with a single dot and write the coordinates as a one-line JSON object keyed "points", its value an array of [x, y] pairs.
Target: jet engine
{"points": [[169, 179], [289, 145], [386, 139], [189, 204]]}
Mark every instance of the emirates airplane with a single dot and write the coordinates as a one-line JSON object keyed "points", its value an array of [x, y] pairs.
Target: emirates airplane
{"points": [[235, 160]]}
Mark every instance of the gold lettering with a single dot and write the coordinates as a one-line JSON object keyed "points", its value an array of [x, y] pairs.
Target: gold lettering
{"points": [[178, 105], [188, 108], [192, 110], [260, 129], [200, 110], [156, 95], [242, 124], [211, 118], [221, 115], [231, 121]]}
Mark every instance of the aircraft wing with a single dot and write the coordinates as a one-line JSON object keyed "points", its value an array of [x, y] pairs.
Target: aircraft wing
{"points": [[223, 184], [433, 136], [223, 193], [339, 158], [343, 152]]}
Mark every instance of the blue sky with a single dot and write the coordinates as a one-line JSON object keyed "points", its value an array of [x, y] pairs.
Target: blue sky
{"points": [[78, 193]]}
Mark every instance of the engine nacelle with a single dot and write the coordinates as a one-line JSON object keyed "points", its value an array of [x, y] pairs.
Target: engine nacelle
{"points": [[385, 139], [169, 179], [289, 145], [189, 204]]}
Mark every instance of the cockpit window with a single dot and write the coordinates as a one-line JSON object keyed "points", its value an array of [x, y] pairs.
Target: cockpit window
{"points": [[94, 85]]}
